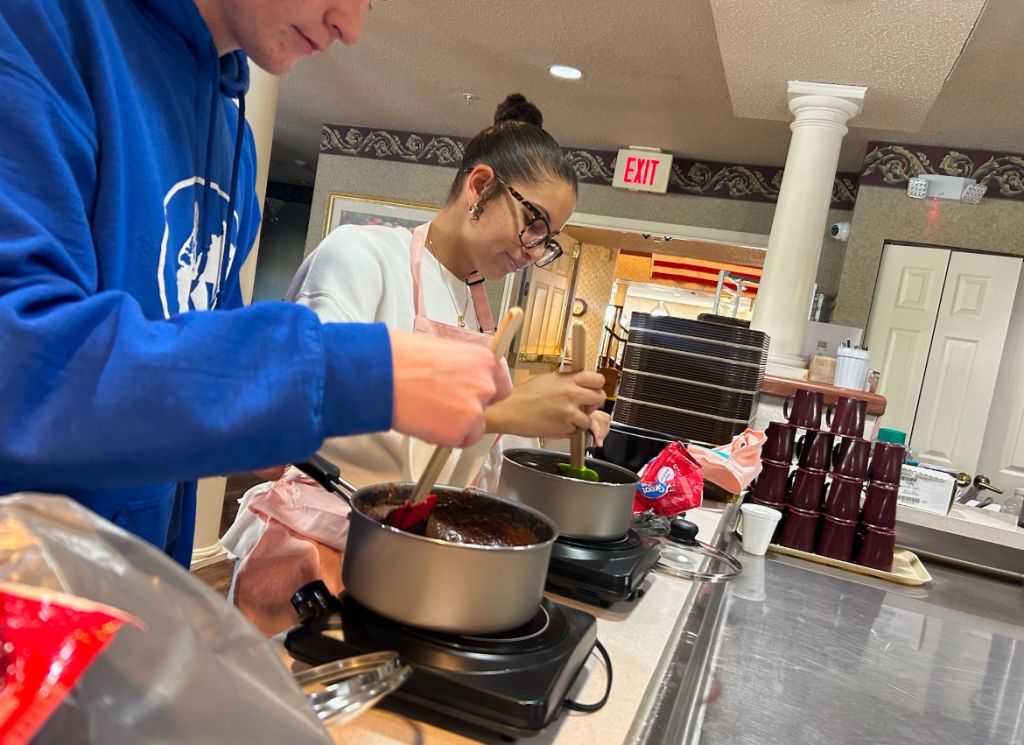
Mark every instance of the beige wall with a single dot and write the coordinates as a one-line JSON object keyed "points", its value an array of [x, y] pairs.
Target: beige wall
{"points": [[889, 215], [594, 285]]}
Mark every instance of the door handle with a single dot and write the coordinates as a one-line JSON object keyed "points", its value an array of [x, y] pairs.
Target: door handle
{"points": [[981, 482]]}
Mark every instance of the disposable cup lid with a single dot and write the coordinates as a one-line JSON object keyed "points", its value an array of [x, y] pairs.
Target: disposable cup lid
{"points": [[892, 435], [759, 510]]}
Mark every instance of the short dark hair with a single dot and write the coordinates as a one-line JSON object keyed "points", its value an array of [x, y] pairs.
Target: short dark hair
{"points": [[517, 148]]}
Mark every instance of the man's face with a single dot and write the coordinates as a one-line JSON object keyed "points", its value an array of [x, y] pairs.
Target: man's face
{"points": [[275, 34]]}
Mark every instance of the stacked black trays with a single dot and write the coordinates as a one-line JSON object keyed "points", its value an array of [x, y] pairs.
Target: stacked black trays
{"points": [[694, 380]]}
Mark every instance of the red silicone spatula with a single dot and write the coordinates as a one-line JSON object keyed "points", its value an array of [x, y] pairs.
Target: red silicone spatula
{"points": [[418, 506]]}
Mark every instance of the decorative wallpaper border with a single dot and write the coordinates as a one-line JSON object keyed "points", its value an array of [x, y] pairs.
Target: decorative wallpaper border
{"points": [[891, 164], [696, 178]]}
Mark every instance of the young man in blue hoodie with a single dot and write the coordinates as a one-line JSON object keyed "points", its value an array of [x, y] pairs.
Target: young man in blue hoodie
{"points": [[126, 205]]}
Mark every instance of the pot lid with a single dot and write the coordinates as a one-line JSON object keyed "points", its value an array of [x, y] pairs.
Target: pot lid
{"points": [[682, 555], [342, 690]]}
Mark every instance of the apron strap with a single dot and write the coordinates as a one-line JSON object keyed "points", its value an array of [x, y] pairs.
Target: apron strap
{"points": [[481, 304], [419, 238]]}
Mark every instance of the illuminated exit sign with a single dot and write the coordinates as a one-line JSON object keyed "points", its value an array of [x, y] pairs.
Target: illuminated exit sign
{"points": [[641, 169]]}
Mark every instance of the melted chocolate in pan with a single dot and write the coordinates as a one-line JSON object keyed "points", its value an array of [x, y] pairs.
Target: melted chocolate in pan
{"points": [[548, 463], [461, 517]]}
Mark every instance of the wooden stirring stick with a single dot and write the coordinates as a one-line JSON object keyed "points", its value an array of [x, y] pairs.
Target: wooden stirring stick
{"points": [[577, 443], [499, 346]]}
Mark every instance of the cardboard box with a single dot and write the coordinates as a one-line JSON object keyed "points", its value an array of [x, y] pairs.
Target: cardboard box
{"points": [[925, 489], [825, 338]]}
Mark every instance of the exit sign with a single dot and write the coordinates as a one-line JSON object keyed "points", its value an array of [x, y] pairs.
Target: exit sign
{"points": [[643, 170]]}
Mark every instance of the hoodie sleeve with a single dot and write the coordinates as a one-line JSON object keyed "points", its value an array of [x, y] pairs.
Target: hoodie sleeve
{"points": [[95, 395]]}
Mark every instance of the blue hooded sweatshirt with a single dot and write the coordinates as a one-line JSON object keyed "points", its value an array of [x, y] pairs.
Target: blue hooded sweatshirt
{"points": [[125, 170]]}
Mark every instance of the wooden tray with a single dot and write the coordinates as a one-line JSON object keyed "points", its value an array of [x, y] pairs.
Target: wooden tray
{"points": [[907, 569]]}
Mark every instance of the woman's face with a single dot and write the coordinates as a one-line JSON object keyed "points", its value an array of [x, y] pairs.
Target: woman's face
{"points": [[494, 239]]}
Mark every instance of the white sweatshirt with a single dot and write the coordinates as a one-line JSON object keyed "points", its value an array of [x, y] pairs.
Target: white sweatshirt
{"points": [[363, 274]]}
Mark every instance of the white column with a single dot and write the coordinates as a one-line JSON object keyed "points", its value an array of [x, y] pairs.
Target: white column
{"points": [[206, 548], [791, 262], [260, 112]]}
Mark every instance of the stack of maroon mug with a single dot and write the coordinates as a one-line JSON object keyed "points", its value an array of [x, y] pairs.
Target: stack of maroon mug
{"points": [[876, 536], [822, 515]]}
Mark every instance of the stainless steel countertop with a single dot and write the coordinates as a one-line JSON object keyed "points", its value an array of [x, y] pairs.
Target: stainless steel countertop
{"points": [[808, 656]]}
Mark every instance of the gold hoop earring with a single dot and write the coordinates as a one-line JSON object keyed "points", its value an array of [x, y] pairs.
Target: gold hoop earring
{"points": [[476, 209]]}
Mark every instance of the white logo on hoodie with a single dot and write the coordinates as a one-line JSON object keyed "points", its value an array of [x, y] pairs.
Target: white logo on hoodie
{"points": [[189, 270]]}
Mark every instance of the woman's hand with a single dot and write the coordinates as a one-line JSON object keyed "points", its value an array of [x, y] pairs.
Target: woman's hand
{"points": [[600, 425], [552, 405]]}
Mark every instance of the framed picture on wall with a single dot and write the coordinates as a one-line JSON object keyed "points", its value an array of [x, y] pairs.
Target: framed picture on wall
{"points": [[351, 209]]}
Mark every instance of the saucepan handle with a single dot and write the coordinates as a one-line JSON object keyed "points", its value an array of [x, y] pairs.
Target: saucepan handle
{"points": [[327, 475]]}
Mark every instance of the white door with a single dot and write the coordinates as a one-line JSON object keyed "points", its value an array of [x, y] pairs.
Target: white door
{"points": [[963, 364], [903, 314], [541, 343], [1002, 451]]}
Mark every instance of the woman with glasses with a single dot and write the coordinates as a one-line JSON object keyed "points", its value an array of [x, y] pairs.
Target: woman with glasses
{"points": [[507, 204]]}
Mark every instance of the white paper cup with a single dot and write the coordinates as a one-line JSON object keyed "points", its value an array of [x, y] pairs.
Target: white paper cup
{"points": [[759, 523]]}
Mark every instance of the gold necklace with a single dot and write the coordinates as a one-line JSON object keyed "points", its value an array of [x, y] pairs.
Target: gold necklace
{"points": [[461, 316]]}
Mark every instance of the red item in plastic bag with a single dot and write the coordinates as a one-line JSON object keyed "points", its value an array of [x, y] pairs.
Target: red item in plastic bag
{"points": [[47, 640], [670, 483]]}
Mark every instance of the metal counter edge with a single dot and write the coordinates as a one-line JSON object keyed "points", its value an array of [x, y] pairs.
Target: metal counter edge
{"points": [[668, 713]]}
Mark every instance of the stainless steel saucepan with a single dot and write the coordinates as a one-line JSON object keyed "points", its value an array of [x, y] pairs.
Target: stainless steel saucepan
{"points": [[457, 588], [597, 511]]}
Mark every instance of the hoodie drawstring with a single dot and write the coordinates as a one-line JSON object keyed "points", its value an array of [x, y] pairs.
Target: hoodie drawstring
{"points": [[225, 261], [205, 217]]}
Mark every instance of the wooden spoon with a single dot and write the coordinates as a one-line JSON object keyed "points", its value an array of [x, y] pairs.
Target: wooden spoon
{"points": [[576, 468]]}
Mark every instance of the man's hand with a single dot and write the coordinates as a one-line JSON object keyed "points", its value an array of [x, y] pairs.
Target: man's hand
{"points": [[442, 388]]}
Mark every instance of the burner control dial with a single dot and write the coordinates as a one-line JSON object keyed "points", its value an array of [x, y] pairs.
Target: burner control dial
{"points": [[313, 600]]}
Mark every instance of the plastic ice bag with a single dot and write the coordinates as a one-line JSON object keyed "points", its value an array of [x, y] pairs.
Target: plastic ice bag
{"points": [[199, 673]]}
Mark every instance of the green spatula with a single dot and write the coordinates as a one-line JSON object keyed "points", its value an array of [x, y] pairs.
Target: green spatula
{"points": [[576, 468]]}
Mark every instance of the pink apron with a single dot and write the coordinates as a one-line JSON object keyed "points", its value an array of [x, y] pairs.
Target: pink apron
{"points": [[463, 465], [305, 527]]}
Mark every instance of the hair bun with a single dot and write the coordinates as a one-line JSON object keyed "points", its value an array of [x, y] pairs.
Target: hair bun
{"points": [[516, 108]]}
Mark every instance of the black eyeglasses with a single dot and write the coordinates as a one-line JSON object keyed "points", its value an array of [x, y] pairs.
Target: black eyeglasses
{"points": [[537, 233]]}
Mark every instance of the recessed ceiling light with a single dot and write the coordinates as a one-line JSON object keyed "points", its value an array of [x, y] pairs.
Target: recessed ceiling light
{"points": [[565, 72]]}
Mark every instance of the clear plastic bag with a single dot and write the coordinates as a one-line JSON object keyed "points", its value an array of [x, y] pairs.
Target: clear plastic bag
{"points": [[199, 674]]}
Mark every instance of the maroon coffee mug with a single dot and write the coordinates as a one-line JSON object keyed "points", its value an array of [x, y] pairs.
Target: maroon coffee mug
{"points": [[880, 505], [843, 500], [886, 462], [816, 450], [803, 409], [847, 416], [772, 483], [850, 458], [836, 539], [800, 530], [778, 444], [876, 548], [806, 490]]}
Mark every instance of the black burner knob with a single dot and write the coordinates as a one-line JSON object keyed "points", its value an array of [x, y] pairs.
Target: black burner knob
{"points": [[313, 600], [683, 531]]}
